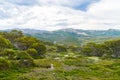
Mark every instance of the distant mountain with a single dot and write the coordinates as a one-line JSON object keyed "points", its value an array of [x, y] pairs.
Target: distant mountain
{"points": [[73, 36]]}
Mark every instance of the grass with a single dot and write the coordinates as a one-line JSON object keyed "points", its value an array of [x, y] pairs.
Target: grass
{"points": [[12, 74], [69, 68]]}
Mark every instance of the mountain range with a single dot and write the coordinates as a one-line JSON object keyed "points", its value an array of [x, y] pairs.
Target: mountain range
{"points": [[73, 36]]}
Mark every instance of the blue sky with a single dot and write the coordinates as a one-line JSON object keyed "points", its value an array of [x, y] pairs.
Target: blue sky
{"points": [[58, 14]]}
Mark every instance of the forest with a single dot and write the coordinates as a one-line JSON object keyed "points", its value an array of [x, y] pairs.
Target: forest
{"points": [[24, 57]]}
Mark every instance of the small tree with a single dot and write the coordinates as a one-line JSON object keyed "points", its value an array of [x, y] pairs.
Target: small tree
{"points": [[114, 48], [23, 55], [40, 48], [13, 35], [61, 49], [86, 50], [93, 49], [4, 64], [10, 53], [26, 63], [74, 48], [4, 43], [25, 59], [25, 42], [32, 52]]}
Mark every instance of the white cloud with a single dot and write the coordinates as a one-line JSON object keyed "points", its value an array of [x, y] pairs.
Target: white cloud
{"points": [[105, 13], [106, 9], [57, 14]]}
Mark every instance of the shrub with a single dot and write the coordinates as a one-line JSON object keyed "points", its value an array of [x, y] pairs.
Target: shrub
{"points": [[4, 64], [51, 49], [61, 49], [40, 48], [32, 52], [25, 59], [4, 43], [23, 55], [44, 63], [10, 53], [26, 63]]}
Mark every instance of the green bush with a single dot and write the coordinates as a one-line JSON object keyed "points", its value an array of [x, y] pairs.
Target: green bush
{"points": [[40, 48], [43, 63], [26, 63], [61, 49], [4, 64], [32, 52], [51, 49], [4, 43], [25, 59], [23, 55], [10, 53]]}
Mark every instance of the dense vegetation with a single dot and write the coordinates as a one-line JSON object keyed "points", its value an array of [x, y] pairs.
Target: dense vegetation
{"points": [[27, 58]]}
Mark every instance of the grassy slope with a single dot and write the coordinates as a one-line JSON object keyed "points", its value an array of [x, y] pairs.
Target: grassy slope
{"points": [[67, 67]]}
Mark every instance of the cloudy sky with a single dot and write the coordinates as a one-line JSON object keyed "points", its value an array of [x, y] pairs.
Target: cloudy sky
{"points": [[59, 14]]}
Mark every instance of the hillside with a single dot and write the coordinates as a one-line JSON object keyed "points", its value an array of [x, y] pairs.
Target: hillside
{"points": [[27, 58], [73, 36]]}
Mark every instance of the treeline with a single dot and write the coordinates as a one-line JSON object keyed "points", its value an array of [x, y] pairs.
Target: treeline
{"points": [[108, 49]]}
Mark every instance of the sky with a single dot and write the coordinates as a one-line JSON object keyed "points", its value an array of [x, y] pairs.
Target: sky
{"points": [[60, 14]]}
